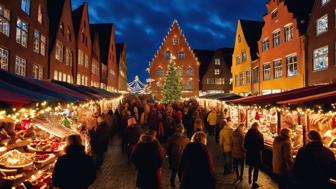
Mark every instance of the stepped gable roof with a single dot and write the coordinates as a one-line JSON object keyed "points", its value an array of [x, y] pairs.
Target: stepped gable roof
{"points": [[252, 31]]}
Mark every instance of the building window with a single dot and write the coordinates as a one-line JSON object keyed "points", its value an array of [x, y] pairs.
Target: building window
{"points": [[4, 59], [248, 77], [244, 56], [159, 72], [265, 45], [25, 6], [238, 60], [320, 59], [59, 51], [190, 72], [37, 72], [21, 32], [267, 72], [188, 85], [79, 79], [168, 55], [255, 74], [86, 61], [217, 61], [292, 67], [175, 41], [69, 79], [274, 13], [55, 75], [80, 57], [323, 2], [242, 78], [68, 34], [239, 39], [217, 71], [39, 43], [276, 38], [68, 57], [39, 14], [322, 25], [64, 77], [210, 81], [289, 32], [20, 66], [277, 66], [4, 21], [60, 76], [219, 81], [62, 28], [181, 55]]}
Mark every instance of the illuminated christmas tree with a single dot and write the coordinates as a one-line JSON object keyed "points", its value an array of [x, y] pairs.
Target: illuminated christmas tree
{"points": [[172, 87]]}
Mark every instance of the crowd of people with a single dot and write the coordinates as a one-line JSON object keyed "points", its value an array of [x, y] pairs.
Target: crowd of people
{"points": [[152, 133]]}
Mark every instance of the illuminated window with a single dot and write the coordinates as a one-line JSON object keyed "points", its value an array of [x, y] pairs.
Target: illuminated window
{"points": [[39, 14], [276, 38], [277, 66], [167, 55], [217, 71], [181, 55], [323, 2], [255, 74], [320, 59], [25, 6], [265, 45], [190, 72], [55, 75], [217, 61], [238, 60], [292, 67], [188, 85], [322, 25], [59, 51], [267, 72], [21, 32], [20, 66], [244, 56], [175, 41], [248, 77], [159, 72], [4, 20], [289, 32], [4, 59]]}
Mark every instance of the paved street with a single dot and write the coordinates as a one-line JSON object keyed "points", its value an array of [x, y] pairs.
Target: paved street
{"points": [[117, 174]]}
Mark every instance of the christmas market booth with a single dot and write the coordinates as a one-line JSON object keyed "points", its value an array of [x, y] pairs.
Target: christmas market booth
{"points": [[300, 110], [35, 118]]}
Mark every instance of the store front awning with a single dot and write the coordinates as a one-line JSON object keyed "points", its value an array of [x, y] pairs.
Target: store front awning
{"points": [[323, 98], [286, 96], [221, 96]]}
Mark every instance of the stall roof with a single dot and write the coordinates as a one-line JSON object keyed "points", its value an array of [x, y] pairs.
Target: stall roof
{"points": [[35, 86], [323, 98], [11, 99], [289, 95], [79, 89]]}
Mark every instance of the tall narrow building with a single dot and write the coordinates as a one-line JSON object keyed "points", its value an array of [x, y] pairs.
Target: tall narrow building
{"points": [[81, 22], [95, 60], [122, 64], [282, 45], [62, 46], [175, 44]]}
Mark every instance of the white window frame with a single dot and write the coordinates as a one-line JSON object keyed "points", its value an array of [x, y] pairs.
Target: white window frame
{"points": [[268, 71], [22, 32], [59, 51], [4, 57], [320, 30], [244, 56], [276, 34], [4, 20], [26, 6], [321, 57], [289, 32], [265, 44], [248, 77], [217, 61], [190, 72], [55, 75], [291, 64], [277, 67], [20, 66], [217, 72]]}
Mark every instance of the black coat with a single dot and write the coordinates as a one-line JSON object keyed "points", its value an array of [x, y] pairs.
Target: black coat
{"points": [[100, 138], [313, 165], [196, 168], [74, 170], [148, 159], [254, 145]]}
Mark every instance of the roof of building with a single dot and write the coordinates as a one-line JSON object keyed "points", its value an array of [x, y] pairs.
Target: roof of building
{"points": [[227, 55], [252, 31], [301, 10], [55, 9], [104, 32], [204, 57], [77, 17], [119, 50]]}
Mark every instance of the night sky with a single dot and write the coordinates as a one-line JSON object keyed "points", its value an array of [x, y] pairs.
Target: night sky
{"points": [[207, 24]]}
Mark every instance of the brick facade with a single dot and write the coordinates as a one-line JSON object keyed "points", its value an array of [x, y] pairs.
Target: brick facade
{"points": [[121, 60], [175, 44], [24, 38]]}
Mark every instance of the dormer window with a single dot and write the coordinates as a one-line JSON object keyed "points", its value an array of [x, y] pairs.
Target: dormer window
{"points": [[175, 41], [274, 13]]}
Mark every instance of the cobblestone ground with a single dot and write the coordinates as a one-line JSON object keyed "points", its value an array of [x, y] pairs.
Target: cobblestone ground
{"points": [[116, 173]]}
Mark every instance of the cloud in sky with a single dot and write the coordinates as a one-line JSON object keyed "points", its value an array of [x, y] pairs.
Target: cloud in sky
{"points": [[142, 24]]}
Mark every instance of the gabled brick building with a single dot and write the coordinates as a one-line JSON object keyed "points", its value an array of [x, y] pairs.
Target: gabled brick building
{"points": [[83, 39], [282, 45], [175, 44], [321, 50], [62, 46], [24, 37], [245, 54], [95, 60], [109, 67], [204, 57], [122, 64]]}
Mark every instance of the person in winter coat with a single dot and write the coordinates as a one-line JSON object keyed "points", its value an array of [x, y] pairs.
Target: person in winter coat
{"points": [[254, 145], [282, 158], [196, 168], [313, 165], [219, 125], [100, 141], [110, 122], [147, 157], [132, 134], [175, 147], [75, 169], [212, 121], [238, 152], [187, 121], [225, 140]]}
